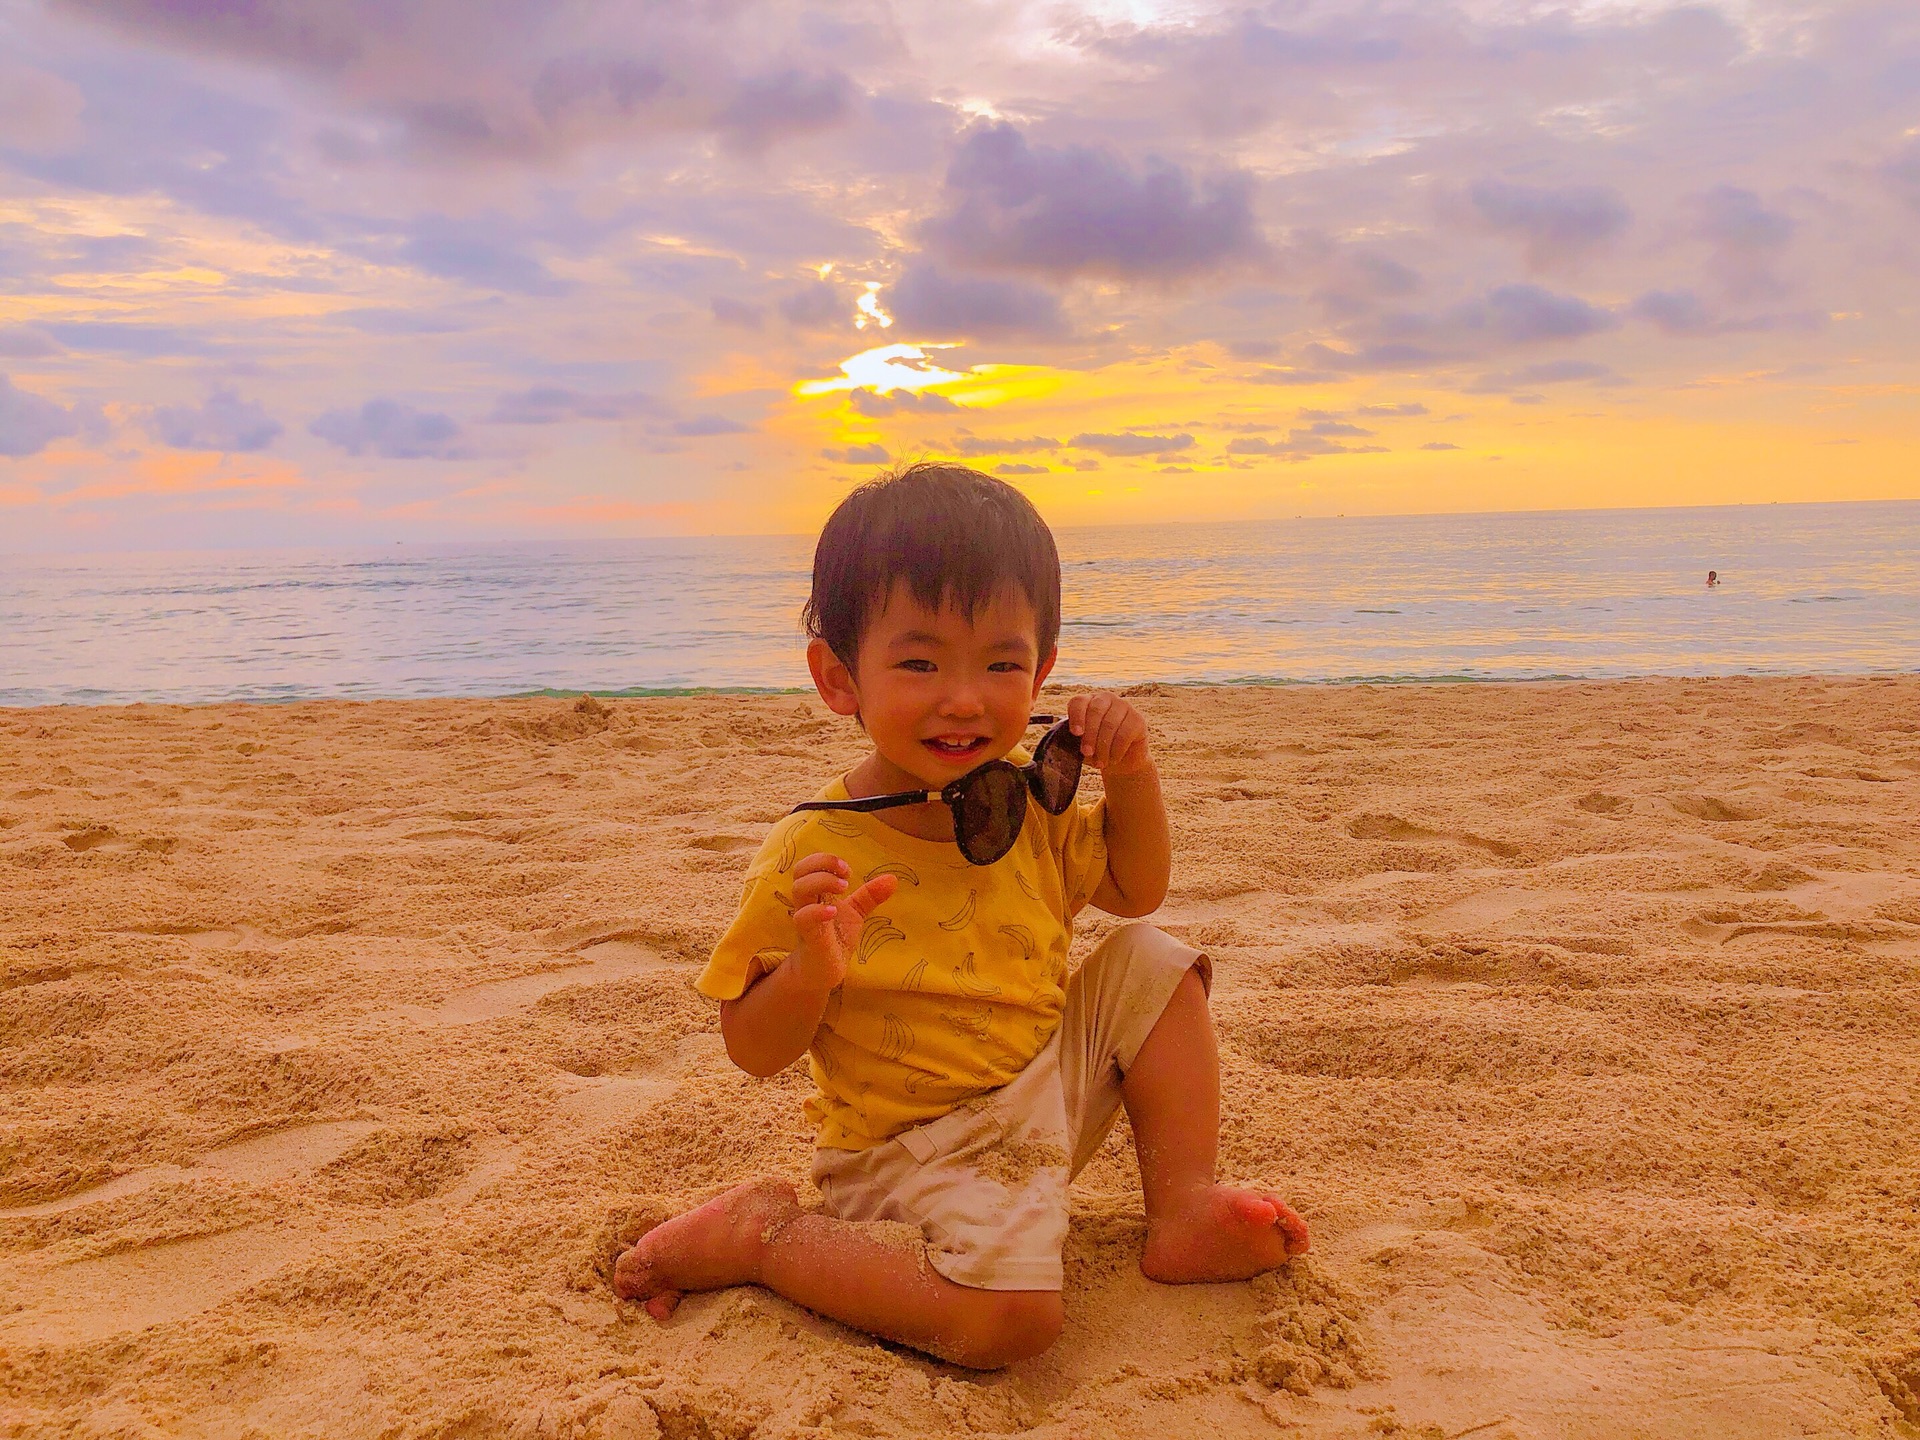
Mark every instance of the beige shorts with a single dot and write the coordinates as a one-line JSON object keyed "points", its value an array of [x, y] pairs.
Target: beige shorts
{"points": [[987, 1183]]}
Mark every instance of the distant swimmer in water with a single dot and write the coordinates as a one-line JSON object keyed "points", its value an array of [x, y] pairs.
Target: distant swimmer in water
{"points": [[1713, 578]]}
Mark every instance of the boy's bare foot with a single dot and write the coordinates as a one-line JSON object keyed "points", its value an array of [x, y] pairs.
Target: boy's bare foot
{"points": [[1221, 1233], [710, 1248]]}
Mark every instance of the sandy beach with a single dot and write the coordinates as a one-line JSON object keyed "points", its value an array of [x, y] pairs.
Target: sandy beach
{"points": [[341, 1044]]}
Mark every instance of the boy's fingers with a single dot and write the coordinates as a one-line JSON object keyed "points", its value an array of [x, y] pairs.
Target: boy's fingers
{"points": [[815, 924], [870, 896], [1092, 718], [1077, 713], [1111, 719], [808, 889], [819, 863]]}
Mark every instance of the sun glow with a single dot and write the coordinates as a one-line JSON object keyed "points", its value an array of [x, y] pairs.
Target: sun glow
{"points": [[885, 369]]}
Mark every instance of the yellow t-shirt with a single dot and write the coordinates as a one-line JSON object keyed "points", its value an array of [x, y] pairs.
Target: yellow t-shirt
{"points": [[957, 981]]}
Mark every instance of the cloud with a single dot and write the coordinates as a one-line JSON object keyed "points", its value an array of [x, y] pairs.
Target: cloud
{"points": [[1902, 172], [317, 37], [473, 256], [393, 430], [783, 104], [30, 422], [1738, 221], [987, 445], [127, 338], [1528, 314], [38, 110], [1291, 375], [23, 343], [927, 301], [1406, 407], [1439, 445], [1132, 444], [815, 306], [225, 423], [1330, 364], [872, 403], [1675, 312], [737, 313], [1076, 210], [704, 425], [1304, 443], [1558, 225], [858, 455], [1746, 239], [391, 320], [1011, 469], [1552, 372], [552, 404], [1683, 313]]}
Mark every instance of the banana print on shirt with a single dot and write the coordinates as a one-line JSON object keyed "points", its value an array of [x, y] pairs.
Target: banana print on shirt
{"points": [[954, 984]]}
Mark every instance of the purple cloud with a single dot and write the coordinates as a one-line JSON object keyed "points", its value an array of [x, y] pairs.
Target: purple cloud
{"points": [[1077, 210], [29, 422], [971, 445], [22, 343], [225, 423], [552, 404], [872, 403], [392, 430], [1132, 444], [1558, 225], [782, 104], [929, 302]]}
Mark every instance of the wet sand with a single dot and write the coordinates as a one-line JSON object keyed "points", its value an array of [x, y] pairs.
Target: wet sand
{"points": [[340, 1043]]}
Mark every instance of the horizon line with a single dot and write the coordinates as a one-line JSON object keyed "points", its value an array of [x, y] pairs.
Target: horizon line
{"points": [[803, 535]]}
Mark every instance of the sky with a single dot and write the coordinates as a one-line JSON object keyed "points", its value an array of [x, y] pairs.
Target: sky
{"points": [[280, 272]]}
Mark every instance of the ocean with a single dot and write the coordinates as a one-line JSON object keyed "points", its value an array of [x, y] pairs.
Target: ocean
{"points": [[1827, 589]]}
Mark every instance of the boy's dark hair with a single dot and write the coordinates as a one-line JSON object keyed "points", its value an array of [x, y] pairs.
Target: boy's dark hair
{"points": [[954, 535]]}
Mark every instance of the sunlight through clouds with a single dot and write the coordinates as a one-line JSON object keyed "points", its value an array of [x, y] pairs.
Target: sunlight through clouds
{"points": [[1570, 254]]}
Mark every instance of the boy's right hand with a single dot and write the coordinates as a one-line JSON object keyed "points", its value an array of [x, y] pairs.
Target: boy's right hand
{"points": [[828, 918]]}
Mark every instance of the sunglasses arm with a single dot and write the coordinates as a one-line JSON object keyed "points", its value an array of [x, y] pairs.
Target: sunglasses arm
{"points": [[872, 802]]}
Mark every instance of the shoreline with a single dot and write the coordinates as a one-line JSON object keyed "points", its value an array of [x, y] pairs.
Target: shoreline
{"points": [[1577, 1018], [1134, 687]]}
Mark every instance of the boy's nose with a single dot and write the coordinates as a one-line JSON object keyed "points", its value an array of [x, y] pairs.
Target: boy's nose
{"points": [[962, 703]]}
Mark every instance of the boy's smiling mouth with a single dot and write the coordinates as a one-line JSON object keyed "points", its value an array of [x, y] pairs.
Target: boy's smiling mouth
{"points": [[956, 747]]}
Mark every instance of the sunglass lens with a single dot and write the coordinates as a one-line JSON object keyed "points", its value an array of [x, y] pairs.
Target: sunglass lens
{"points": [[1057, 770], [990, 813]]}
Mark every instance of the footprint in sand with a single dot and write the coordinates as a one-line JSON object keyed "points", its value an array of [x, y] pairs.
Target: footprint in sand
{"points": [[1711, 808], [1598, 803], [257, 1160], [612, 959], [722, 843], [1395, 830]]}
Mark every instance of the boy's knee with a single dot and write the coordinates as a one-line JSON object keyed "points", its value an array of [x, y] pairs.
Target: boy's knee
{"points": [[1008, 1326]]}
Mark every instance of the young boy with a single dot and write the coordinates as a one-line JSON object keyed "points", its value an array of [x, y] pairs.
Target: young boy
{"points": [[963, 1074]]}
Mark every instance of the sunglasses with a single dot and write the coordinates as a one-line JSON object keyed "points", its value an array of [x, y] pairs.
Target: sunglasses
{"points": [[989, 803]]}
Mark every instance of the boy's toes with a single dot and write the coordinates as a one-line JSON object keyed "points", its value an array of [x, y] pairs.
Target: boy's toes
{"points": [[663, 1305], [1292, 1228]]}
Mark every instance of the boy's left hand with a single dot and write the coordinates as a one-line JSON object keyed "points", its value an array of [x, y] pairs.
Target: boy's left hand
{"points": [[1113, 735]]}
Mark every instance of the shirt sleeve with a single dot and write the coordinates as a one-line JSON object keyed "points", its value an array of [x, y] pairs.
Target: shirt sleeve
{"points": [[1080, 842], [761, 936]]}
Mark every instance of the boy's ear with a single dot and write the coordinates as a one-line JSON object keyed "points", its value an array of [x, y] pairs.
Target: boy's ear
{"points": [[832, 678], [1044, 669]]}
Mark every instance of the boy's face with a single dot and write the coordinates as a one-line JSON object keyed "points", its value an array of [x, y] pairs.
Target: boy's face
{"points": [[938, 693]]}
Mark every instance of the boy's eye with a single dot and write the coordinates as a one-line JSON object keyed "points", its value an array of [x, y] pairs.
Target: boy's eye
{"points": [[1006, 666], [919, 667]]}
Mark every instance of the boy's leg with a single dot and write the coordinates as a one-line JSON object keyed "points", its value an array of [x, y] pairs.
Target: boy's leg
{"points": [[1197, 1229], [758, 1234]]}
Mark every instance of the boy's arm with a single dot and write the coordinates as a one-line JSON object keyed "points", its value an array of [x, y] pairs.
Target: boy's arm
{"points": [[772, 1023], [1113, 737]]}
